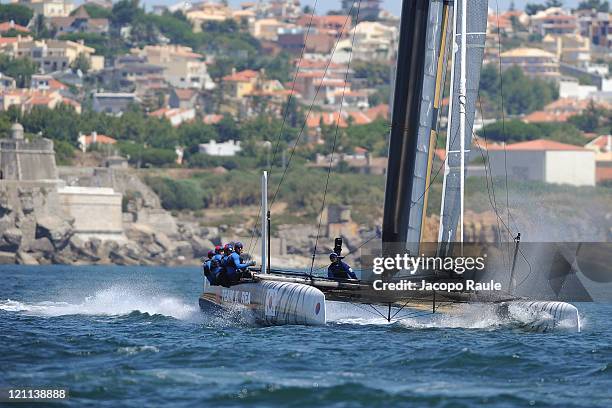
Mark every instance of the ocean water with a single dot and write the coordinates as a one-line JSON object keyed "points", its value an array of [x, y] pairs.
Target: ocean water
{"points": [[134, 337]]}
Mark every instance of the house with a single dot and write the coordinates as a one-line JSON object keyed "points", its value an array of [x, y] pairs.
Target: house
{"points": [[184, 98], [543, 160], [212, 148], [239, 84], [113, 103], [373, 41], [53, 55], [336, 25], [26, 99], [183, 68], [569, 48], [86, 141], [133, 74], [79, 22], [293, 39], [602, 146], [533, 61], [7, 82], [8, 26], [43, 82], [176, 116], [49, 8], [596, 26], [554, 20], [570, 87], [267, 29], [205, 12]]}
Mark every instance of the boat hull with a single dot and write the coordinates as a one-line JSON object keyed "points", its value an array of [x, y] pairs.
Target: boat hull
{"points": [[268, 303]]}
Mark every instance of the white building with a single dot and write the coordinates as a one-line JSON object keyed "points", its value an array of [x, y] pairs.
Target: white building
{"points": [[183, 68], [212, 148], [49, 8], [571, 88], [544, 160]]}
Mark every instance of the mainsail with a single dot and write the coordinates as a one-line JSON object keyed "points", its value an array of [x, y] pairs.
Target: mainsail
{"points": [[476, 22], [418, 89]]}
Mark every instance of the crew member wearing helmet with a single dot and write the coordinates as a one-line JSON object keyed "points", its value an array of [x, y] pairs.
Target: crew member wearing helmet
{"points": [[234, 267], [338, 269], [207, 267]]}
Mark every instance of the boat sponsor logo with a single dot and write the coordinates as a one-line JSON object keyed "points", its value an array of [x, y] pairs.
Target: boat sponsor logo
{"points": [[236, 296], [317, 308], [271, 302]]}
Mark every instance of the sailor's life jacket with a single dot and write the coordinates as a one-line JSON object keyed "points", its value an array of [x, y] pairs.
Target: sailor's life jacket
{"points": [[213, 266], [233, 263], [340, 270], [206, 267]]}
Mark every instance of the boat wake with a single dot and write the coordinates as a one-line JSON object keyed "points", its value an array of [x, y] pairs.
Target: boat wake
{"points": [[114, 301], [480, 316]]}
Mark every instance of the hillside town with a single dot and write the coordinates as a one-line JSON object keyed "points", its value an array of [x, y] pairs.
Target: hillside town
{"points": [[159, 119]]}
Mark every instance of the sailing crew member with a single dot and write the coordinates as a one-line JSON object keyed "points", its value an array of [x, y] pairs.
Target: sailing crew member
{"points": [[207, 267], [235, 268], [338, 269]]}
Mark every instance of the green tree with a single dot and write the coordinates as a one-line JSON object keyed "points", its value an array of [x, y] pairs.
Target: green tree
{"points": [[598, 5], [21, 69], [81, 62], [125, 12], [533, 8], [16, 12]]}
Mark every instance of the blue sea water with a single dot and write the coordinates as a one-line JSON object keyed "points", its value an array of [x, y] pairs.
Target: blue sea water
{"points": [[134, 337]]}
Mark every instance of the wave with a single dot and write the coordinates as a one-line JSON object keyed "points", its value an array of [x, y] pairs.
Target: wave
{"points": [[113, 301], [481, 316]]}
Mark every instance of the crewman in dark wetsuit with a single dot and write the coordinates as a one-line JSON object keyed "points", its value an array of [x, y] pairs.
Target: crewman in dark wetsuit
{"points": [[207, 267], [234, 267], [338, 269]]}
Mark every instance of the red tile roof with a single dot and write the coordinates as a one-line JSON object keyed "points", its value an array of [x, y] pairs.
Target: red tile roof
{"points": [[242, 76], [542, 116], [9, 25], [101, 139]]}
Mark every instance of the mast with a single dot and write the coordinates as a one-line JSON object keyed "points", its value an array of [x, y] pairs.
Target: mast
{"points": [[265, 255], [462, 113]]}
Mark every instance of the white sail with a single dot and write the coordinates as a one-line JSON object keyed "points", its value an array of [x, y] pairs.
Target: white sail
{"points": [[476, 26]]}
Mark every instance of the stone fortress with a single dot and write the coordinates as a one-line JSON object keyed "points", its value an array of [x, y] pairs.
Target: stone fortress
{"points": [[79, 215]]}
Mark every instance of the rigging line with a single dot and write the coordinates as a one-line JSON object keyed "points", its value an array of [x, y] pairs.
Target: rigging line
{"points": [[297, 69], [333, 51], [499, 218], [318, 89], [286, 114], [488, 174], [501, 94], [331, 158], [488, 165]]}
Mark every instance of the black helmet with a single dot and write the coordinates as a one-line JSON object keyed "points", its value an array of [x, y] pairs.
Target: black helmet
{"points": [[333, 257], [238, 245], [211, 253]]}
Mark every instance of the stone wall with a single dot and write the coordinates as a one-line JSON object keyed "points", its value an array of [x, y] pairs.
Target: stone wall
{"points": [[25, 160], [96, 212]]}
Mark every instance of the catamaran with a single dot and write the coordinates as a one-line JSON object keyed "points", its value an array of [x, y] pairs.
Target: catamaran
{"points": [[432, 32]]}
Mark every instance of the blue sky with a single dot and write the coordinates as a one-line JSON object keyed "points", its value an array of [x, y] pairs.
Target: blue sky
{"points": [[392, 5]]}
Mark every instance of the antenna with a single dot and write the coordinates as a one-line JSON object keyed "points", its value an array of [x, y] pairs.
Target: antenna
{"points": [[462, 115]]}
